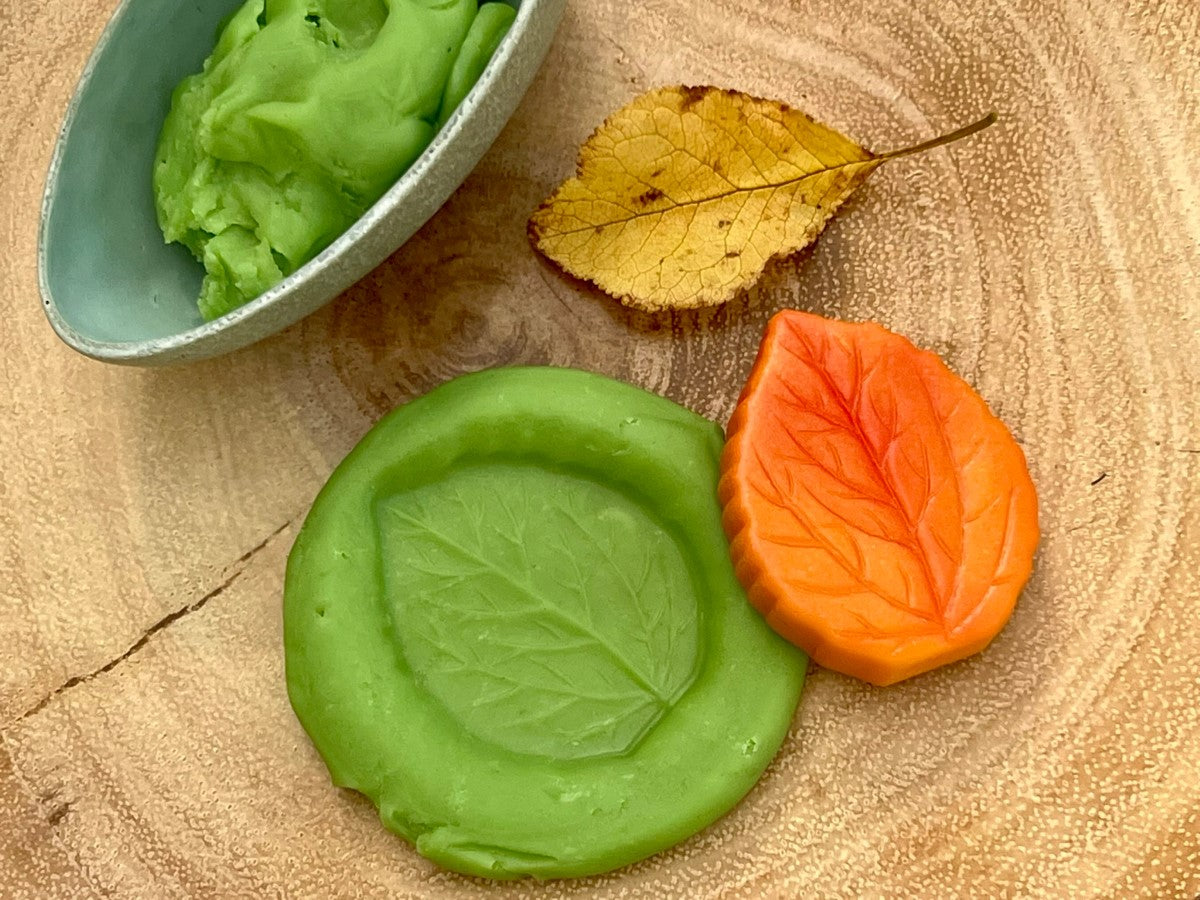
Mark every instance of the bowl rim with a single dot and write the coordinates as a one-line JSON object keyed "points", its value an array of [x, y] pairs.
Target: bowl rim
{"points": [[168, 348]]}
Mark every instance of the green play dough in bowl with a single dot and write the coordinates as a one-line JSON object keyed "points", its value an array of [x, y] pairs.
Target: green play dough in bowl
{"points": [[304, 115], [511, 620]]}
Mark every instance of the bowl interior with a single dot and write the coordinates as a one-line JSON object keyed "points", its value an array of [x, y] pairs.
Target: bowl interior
{"points": [[105, 263]]}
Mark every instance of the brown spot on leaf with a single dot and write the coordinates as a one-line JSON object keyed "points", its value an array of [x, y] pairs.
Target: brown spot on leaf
{"points": [[693, 95], [648, 197]]}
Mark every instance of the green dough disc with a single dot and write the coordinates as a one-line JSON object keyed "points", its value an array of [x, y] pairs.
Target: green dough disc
{"points": [[511, 620]]}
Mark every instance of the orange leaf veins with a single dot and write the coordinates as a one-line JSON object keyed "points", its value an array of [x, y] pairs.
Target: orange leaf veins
{"points": [[881, 517]]}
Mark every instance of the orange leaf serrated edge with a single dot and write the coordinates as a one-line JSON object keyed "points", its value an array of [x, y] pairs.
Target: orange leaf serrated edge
{"points": [[880, 516]]}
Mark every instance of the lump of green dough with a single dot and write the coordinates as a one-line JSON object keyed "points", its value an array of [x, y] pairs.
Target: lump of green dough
{"points": [[304, 114]]}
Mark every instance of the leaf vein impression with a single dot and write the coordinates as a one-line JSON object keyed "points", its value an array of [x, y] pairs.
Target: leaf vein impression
{"points": [[546, 605], [853, 569], [854, 425], [947, 602], [648, 627]]}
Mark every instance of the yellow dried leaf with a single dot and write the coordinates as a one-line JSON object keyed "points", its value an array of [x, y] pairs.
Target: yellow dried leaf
{"points": [[684, 195]]}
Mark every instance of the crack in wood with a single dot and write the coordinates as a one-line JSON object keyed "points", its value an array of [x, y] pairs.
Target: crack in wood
{"points": [[238, 567]]}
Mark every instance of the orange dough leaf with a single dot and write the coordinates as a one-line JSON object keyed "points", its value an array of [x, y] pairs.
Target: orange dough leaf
{"points": [[881, 517]]}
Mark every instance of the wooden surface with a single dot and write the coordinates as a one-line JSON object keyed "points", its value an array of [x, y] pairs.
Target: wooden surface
{"points": [[146, 744]]}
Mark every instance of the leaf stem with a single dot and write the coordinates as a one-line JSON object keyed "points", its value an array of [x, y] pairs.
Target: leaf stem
{"points": [[957, 135]]}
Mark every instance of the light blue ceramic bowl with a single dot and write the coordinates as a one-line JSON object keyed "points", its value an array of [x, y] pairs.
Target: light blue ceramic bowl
{"points": [[110, 286]]}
